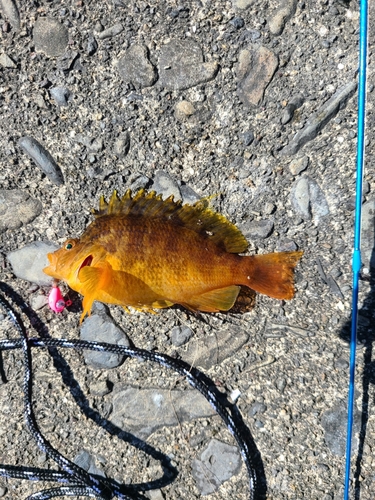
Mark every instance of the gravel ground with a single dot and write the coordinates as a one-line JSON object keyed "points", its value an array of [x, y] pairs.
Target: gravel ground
{"points": [[254, 102]]}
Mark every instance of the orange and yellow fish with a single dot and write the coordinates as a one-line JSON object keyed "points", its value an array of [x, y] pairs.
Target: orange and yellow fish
{"points": [[149, 253]]}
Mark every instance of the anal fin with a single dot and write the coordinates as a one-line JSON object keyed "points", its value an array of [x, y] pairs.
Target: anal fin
{"points": [[220, 299]]}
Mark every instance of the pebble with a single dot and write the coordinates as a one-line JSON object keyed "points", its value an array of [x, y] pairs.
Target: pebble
{"points": [[320, 118], [255, 69], [17, 208], [28, 262], [237, 22], [7, 62], [184, 109], [10, 10], [114, 30], [247, 137], [86, 461], [256, 408], [50, 36], [99, 388], [286, 245], [334, 423], [139, 181], [134, 67], [368, 234], [217, 463], [294, 103], [180, 335], [242, 4], [61, 95], [91, 46], [164, 184], [3, 491], [143, 411], [122, 145], [42, 159], [283, 13], [182, 66], [299, 165], [258, 229], [308, 199], [39, 301], [212, 349], [100, 327], [189, 195]]}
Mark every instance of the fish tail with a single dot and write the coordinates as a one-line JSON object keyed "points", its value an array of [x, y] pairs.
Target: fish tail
{"points": [[272, 274]]}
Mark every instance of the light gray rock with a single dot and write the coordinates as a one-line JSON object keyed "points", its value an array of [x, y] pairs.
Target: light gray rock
{"points": [[255, 69], [100, 327], [181, 65], [258, 229], [42, 159], [184, 109], [50, 36], [166, 185], [7, 62], [110, 32], [189, 195], [134, 67], [368, 234], [334, 423], [299, 165], [294, 103], [319, 119], [122, 145], [10, 10], [180, 335], [39, 301], [217, 463], [210, 350], [61, 95], [284, 12], [242, 4], [142, 411], [17, 208], [28, 262], [308, 199], [87, 461]]}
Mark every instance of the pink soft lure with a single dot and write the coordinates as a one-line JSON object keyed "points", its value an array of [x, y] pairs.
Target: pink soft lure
{"points": [[56, 300]]}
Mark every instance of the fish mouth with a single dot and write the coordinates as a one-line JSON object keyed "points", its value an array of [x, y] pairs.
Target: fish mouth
{"points": [[86, 262]]}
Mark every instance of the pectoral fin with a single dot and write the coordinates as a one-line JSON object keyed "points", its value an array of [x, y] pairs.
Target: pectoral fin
{"points": [[221, 299], [93, 280]]}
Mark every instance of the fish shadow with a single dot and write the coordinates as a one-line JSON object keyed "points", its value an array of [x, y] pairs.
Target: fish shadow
{"points": [[365, 341]]}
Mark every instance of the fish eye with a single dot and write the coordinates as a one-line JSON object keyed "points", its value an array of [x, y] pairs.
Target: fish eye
{"points": [[68, 246]]}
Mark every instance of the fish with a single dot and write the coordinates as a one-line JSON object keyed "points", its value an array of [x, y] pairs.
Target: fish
{"points": [[149, 253]]}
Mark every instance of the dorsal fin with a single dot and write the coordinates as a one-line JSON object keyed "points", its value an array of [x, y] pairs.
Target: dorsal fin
{"points": [[197, 217]]}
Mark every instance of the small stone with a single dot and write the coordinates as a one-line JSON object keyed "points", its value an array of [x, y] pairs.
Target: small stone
{"points": [[17, 208], [42, 159], [247, 137], [217, 463], [334, 423], [181, 65], [189, 195], [100, 327], [28, 262], [61, 95], [110, 32], [86, 461], [92, 46], [284, 12], [39, 301], [180, 335], [7, 62], [166, 185], [295, 103], [50, 36], [258, 229], [299, 165], [134, 67], [320, 118], [255, 69], [99, 388], [184, 109], [308, 199], [256, 408], [122, 145], [287, 246], [3, 491], [10, 10], [143, 411], [242, 4], [237, 22], [139, 181]]}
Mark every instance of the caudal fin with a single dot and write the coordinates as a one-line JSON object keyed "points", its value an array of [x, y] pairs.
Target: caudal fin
{"points": [[272, 274]]}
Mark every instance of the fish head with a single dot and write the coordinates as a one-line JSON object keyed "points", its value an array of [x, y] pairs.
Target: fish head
{"points": [[67, 261]]}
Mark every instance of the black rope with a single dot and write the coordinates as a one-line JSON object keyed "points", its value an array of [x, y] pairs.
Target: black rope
{"points": [[80, 482]]}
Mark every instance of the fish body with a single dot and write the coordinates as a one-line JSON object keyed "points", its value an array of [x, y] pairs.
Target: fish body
{"points": [[149, 253]]}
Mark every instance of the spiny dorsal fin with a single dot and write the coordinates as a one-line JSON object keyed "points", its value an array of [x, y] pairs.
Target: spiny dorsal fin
{"points": [[197, 217]]}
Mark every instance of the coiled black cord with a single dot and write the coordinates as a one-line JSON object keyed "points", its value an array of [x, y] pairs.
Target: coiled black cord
{"points": [[80, 482]]}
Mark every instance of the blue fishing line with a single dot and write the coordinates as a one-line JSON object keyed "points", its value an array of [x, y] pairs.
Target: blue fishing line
{"points": [[356, 265]]}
